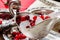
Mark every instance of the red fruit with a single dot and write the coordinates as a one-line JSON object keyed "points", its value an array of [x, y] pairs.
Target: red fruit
{"points": [[22, 36], [27, 26], [42, 16], [23, 18], [0, 21], [47, 17], [6, 16], [35, 17], [30, 20], [14, 33], [27, 17], [6, 6], [17, 36], [16, 39], [32, 24]]}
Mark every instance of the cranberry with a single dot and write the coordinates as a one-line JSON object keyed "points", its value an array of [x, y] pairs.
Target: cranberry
{"points": [[17, 36], [27, 26], [16, 39], [30, 20], [6, 16], [32, 24], [27, 17], [6, 6], [35, 17], [42, 16], [23, 18], [0, 21], [22, 36], [33, 21], [14, 33], [47, 17]]}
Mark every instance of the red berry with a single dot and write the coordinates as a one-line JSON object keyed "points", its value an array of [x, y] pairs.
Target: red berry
{"points": [[42, 16], [17, 36], [22, 36], [32, 24], [33, 21], [6, 16], [14, 33], [47, 17], [16, 39], [0, 21], [30, 20], [27, 26], [35, 17], [23, 18], [6, 6], [27, 17]]}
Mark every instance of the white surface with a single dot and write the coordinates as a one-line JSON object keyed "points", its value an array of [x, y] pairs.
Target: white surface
{"points": [[51, 37]]}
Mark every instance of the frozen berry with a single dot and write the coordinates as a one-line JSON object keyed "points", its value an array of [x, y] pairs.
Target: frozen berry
{"points": [[17, 36], [16, 39], [30, 20], [0, 21], [6, 16], [32, 23], [6, 6], [47, 17], [22, 36], [14, 33], [27, 17], [27, 26], [23, 18], [42, 16], [35, 17]]}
